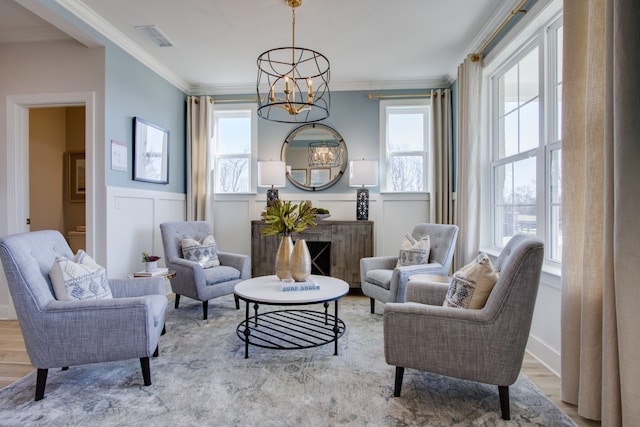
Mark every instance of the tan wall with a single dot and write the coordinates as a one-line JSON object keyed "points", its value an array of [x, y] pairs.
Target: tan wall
{"points": [[52, 132], [47, 144]]}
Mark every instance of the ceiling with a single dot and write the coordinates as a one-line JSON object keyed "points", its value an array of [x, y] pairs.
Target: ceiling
{"points": [[371, 44]]}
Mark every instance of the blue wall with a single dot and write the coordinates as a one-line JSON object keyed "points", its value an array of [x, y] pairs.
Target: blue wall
{"points": [[133, 90]]}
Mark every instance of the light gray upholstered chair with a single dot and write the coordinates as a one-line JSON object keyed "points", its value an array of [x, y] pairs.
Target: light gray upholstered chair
{"points": [[191, 279], [381, 280], [59, 334], [485, 345]]}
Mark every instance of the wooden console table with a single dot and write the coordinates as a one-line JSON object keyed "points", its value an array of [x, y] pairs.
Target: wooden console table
{"points": [[336, 248]]}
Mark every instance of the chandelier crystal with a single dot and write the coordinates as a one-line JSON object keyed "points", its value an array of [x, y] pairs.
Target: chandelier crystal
{"points": [[295, 82]]}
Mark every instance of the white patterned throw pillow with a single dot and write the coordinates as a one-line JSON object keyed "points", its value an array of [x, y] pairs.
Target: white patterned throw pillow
{"points": [[413, 252], [471, 285], [204, 252], [80, 278]]}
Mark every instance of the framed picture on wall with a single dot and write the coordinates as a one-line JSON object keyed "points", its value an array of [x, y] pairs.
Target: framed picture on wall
{"points": [[150, 152], [76, 176], [320, 176], [299, 175]]}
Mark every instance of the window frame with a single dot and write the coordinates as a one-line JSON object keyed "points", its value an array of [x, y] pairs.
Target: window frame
{"points": [[419, 104], [544, 39], [250, 111]]}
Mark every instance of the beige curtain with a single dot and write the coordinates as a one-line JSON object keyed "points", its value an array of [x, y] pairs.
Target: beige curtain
{"points": [[199, 182], [467, 211], [601, 201], [441, 203]]}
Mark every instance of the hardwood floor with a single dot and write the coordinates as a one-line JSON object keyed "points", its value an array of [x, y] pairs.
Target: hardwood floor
{"points": [[14, 364]]}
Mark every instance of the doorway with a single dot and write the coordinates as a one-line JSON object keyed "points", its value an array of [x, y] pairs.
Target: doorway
{"points": [[17, 164], [57, 179]]}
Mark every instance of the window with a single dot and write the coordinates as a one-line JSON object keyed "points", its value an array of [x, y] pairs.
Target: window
{"points": [[234, 141], [405, 136], [527, 145]]}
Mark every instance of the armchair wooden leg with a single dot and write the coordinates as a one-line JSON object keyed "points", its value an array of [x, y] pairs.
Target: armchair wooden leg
{"points": [[164, 329], [177, 301], [398, 385], [372, 302], [235, 297], [146, 372], [41, 382], [65, 368], [504, 402], [205, 309], [155, 353]]}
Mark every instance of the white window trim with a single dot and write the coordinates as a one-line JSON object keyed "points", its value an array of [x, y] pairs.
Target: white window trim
{"points": [[253, 168], [547, 14], [384, 104]]}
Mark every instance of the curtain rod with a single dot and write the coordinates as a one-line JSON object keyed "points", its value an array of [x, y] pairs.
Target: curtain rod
{"points": [[406, 95], [221, 101], [476, 56]]}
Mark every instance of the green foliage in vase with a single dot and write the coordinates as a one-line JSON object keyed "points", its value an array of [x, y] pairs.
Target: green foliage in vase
{"points": [[283, 218]]}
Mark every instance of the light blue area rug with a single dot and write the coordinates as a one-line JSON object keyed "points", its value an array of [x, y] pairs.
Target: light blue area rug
{"points": [[202, 378]]}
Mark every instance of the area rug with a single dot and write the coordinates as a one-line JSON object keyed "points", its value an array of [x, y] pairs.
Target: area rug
{"points": [[202, 378]]}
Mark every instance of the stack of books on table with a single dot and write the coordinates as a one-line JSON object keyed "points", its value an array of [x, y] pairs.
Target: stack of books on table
{"points": [[309, 285], [156, 272]]}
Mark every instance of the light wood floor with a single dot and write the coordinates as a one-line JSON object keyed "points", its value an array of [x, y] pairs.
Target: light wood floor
{"points": [[14, 364]]}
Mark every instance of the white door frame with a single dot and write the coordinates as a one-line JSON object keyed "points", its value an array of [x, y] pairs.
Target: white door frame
{"points": [[17, 161]]}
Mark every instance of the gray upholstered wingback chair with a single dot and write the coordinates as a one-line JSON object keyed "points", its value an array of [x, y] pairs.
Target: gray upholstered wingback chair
{"points": [[485, 345], [381, 280], [59, 334], [191, 279]]}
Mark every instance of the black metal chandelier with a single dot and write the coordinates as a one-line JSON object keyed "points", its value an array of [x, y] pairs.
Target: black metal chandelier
{"points": [[295, 82]]}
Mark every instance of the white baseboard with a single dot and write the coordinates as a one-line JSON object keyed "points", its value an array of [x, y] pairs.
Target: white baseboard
{"points": [[546, 355]]}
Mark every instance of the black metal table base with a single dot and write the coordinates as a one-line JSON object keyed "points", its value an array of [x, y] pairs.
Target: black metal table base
{"points": [[290, 329]]}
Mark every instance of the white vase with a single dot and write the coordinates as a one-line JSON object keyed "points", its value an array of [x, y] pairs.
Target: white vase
{"points": [[150, 266], [282, 258], [300, 263]]}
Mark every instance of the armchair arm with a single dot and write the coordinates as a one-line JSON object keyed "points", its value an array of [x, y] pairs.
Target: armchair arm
{"points": [[431, 293], [240, 262], [140, 286], [401, 275]]}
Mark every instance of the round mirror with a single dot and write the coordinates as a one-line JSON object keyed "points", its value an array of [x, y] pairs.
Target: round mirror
{"points": [[315, 155]]}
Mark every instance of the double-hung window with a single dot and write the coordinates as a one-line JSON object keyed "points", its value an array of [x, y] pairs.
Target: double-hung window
{"points": [[526, 143], [404, 145], [234, 141]]}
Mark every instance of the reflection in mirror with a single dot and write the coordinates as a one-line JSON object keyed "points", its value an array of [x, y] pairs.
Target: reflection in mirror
{"points": [[315, 155]]}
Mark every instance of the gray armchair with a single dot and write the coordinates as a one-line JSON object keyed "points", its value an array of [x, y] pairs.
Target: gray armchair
{"points": [[381, 280], [191, 279], [59, 334], [485, 345]]}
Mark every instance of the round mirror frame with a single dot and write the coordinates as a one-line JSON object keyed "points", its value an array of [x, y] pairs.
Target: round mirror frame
{"points": [[342, 147]]}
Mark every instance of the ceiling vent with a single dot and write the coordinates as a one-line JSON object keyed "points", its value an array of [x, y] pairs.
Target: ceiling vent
{"points": [[154, 33]]}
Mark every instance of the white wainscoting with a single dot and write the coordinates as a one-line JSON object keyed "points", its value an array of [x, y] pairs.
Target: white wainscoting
{"points": [[133, 225], [393, 215]]}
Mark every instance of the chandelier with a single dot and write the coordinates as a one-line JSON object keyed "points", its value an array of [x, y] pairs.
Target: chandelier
{"points": [[325, 154], [295, 82]]}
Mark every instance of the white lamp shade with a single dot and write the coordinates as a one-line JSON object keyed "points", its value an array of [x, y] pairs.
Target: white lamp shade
{"points": [[271, 174], [363, 173]]}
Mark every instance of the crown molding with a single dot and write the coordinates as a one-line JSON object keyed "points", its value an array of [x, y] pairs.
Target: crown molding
{"points": [[439, 83], [95, 21]]}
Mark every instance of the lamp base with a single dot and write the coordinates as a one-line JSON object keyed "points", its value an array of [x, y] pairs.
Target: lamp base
{"points": [[362, 204], [272, 195]]}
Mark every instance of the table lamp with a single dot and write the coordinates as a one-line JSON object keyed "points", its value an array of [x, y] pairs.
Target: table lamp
{"points": [[362, 174], [271, 174]]}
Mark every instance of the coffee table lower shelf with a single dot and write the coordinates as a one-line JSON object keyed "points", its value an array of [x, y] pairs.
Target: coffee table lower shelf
{"points": [[291, 329]]}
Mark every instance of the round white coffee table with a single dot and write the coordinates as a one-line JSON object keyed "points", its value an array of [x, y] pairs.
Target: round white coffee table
{"points": [[290, 329]]}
